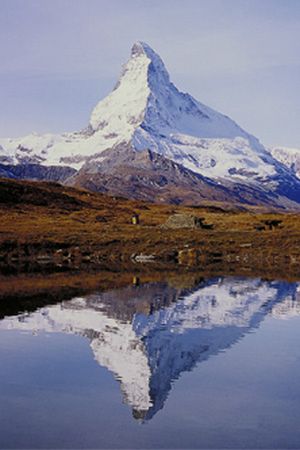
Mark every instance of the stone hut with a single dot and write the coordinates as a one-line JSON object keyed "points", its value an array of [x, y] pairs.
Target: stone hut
{"points": [[183, 221]]}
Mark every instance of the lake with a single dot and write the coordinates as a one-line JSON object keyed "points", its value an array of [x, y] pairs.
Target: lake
{"points": [[208, 363]]}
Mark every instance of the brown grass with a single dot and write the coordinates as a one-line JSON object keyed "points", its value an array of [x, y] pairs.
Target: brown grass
{"points": [[47, 220]]}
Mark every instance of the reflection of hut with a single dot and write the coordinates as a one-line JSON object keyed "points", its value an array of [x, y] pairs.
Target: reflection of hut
{"points": [[135, 219], [140, 415], [184, 221]]}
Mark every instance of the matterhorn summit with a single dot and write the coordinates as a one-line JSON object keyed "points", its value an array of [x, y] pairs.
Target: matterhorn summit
{"points": [[126, 107], [146, 108], [148, 140]]}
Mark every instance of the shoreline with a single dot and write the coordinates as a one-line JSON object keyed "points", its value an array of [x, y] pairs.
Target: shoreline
{"points": [[48, 224]]}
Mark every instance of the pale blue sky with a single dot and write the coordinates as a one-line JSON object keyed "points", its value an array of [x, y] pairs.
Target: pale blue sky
{"points": [[241, 57]]}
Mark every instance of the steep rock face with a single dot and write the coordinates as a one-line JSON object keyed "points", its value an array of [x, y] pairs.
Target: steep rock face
{"points": [[146, 175], [146, 112]]}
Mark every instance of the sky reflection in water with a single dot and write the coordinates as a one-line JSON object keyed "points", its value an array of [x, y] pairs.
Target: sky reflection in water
{"points": [[63, 367]]}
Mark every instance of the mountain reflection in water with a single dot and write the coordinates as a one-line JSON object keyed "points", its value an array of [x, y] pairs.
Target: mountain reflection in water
{"points": [[148, 334]]}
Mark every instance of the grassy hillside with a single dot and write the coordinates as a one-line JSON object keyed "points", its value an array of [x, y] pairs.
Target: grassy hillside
{"points": [[47, 222]]}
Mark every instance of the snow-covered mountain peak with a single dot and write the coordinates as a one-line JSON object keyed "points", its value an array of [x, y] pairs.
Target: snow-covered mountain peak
{"points": [[143, 73], [142, 50], [146, 107], [146, 111], [155, 66]]}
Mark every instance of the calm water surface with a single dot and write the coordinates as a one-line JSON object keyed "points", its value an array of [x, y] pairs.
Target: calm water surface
{"points": [[213, 365]]}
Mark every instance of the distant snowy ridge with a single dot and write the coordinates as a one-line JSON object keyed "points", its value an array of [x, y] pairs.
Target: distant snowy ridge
{"points": [[290, 157]]}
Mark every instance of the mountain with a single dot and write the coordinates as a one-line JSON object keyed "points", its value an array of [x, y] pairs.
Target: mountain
{"points": [[149, 335], [36, 172], [146, 113], [290, 157], [147, 175]]}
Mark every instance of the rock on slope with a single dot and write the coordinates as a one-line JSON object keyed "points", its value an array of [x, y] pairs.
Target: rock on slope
{"points": [[146, 112]]}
